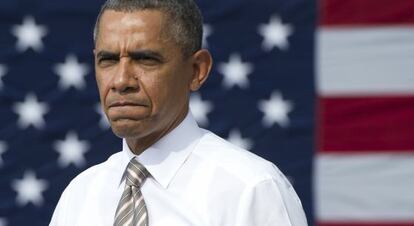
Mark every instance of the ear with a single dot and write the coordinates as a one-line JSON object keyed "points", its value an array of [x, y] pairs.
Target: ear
{"points": [[202, 63]]}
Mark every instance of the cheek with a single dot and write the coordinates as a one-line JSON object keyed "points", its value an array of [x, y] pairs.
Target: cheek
{"points": [[169, 92], [102, 82], [154, 88]]}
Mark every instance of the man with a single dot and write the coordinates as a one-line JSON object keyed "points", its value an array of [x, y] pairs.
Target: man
{"points": [[148, 58]]}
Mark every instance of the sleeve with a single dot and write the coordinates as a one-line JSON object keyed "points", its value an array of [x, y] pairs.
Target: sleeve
{"points": [[271, 202], [53, 221], [59, 213]]}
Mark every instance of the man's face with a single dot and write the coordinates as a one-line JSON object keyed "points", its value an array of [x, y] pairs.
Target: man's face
{"points": [[142, 76]]}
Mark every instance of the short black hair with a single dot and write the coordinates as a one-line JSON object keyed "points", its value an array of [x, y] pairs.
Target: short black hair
{"points": [[185, 16]]}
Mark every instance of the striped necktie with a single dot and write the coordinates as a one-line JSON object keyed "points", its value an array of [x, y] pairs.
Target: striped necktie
{"points": [[131, 209]]}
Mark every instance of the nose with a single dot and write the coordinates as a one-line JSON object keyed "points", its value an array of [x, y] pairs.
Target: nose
{"points": [[125, 79]]}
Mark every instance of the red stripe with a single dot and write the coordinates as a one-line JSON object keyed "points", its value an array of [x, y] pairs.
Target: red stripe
{"points": [[364, 12], [368, 124], [367, 224]]}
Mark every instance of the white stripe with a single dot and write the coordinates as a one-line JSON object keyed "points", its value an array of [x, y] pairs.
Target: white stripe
{"points": [[143, 218], [136, 164], [126, 205], [133, 174], [374, 187], [365, 61], [129, 221], [129, 214], [138, 201]]}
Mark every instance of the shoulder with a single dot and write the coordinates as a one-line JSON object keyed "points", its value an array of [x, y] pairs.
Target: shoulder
{"points": [[238, 162], [257, 183], [78, 189], [83, 179]]}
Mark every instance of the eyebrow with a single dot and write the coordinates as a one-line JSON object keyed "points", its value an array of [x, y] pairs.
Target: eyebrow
{"points": [[107, 54], [145, 54], [139, 54]]}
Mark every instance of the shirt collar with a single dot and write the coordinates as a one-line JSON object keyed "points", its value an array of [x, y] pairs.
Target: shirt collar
{"points": [[164, 158]]}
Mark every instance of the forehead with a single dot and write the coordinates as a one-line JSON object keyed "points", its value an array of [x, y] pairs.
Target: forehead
{"points": [[132, 27]]}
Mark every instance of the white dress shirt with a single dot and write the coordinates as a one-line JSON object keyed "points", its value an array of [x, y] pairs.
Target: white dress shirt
{"points": [[197, 179]]}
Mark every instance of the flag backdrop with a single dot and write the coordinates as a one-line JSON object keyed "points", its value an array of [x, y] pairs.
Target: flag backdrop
{"points": [[364, 168], [323, 89]]}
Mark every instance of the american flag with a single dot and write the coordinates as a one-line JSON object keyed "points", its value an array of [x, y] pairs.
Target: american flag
{"points": [[324, 89]]}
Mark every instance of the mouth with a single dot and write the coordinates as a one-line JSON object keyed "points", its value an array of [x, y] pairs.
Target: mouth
{"points": [[125, 104], [121, 110]]}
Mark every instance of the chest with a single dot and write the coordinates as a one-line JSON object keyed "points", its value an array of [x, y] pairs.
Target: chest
{"points": [[189, 206]]}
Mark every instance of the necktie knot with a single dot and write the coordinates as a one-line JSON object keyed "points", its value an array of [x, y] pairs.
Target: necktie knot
{"points": [[135, 173]]}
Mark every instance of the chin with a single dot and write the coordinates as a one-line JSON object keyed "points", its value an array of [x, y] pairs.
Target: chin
{"points": [[127, 128], [120, 133]]}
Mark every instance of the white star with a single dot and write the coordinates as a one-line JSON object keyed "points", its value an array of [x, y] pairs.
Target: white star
{"points": [[71, 73], [29, 189], [31, 112], [3, 148], [275, 34], [235, 72], [3, 71], [207, 31], [3, 222], [236, 138], [200, 108], [103, 122], [71, 150], [275, 110], [29, 35]]}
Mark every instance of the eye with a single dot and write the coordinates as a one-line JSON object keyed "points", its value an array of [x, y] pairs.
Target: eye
{"points": [[147, 60], [107, 61]]}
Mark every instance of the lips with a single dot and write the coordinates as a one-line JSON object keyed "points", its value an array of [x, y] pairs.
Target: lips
{"points": [[130, 110], [125, 104]]}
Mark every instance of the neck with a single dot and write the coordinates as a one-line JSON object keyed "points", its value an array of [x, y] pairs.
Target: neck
{"points": [[139, 145]]}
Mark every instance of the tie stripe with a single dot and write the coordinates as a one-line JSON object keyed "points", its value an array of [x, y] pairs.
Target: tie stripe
{"points": [[131, 210], [123, 208]]}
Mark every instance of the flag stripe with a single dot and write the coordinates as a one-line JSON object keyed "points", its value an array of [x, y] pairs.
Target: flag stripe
{"points": [[363, 12], [365, 188], [365, 61], [366, 124], [364, 162]]}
